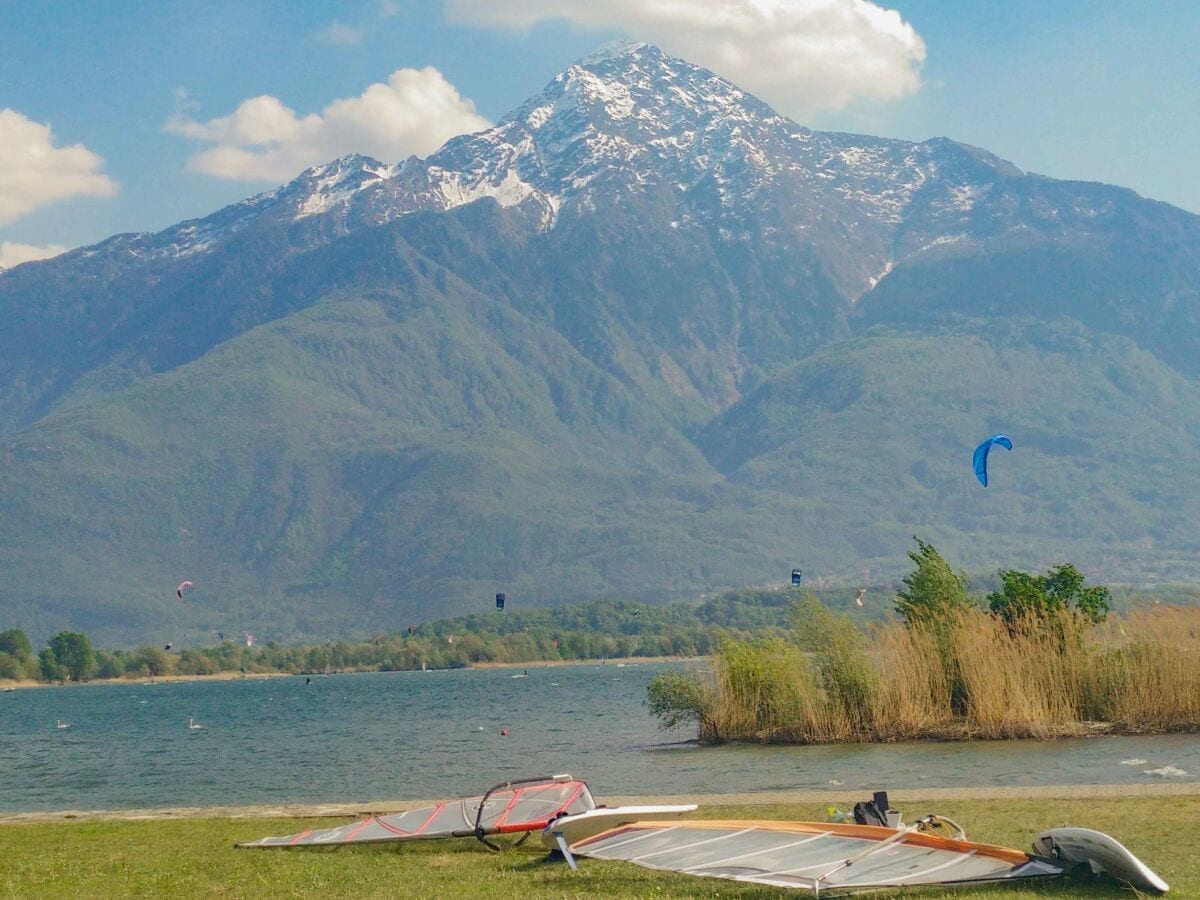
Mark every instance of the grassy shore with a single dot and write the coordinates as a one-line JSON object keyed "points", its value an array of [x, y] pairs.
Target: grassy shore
{"points": [[196, 858]]}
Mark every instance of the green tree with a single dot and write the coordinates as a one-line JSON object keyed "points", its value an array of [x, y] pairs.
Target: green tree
{"points": [[74, 654], [195, 662], [933, 594], [109, 665], [150, 661], [10, 667], [676, 698], [50, 668], [1060, 590], [16, 643], [933, 591]]}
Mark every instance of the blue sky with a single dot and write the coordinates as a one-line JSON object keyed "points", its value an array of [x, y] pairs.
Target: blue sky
{"points": [[138, 97]]}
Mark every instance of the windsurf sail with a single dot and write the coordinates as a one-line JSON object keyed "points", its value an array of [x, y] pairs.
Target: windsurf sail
{"points": [[576, 827], [512, 807], [824, 858]]}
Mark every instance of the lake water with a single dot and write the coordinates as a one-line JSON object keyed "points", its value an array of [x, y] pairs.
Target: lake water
{"points": [[402, 735]]}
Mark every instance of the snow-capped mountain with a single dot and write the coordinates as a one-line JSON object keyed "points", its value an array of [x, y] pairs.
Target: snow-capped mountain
{"points": [[627, 134], [632, 118], [629, 118], [643, 325]]}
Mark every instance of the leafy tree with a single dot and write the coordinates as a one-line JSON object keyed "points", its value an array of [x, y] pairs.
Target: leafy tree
{"points": [[150, 661], [109, 665], [74, 654], [1060, 590], [15, 643], [933, 594], [10, 667], [50, 667], [933, 590], [677, 698]]}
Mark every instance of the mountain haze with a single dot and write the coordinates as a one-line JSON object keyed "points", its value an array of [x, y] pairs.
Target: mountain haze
{"points": [[645, 337]]}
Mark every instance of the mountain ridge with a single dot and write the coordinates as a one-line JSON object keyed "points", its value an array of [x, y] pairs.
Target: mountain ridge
{"points": [[643, 336]]}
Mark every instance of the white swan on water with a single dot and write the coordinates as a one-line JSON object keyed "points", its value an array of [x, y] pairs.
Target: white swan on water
{"points": [[59, 723], [193, 725]]}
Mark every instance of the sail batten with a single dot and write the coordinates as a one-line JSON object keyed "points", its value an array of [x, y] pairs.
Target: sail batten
{"points": [[822, 858]]}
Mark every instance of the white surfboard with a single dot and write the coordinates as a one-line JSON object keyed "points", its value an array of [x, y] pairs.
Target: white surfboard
{"points": [[1103, 853], [585, 824]]}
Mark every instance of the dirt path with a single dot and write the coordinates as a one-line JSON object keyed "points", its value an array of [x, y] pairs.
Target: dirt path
{"points": [[303, 810]]}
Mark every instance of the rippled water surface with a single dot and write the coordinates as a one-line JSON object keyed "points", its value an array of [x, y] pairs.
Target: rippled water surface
{"points": [[421, 735]]}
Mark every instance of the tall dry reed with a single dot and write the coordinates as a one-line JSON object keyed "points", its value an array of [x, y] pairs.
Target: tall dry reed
{"points": [[1146, 670], [971, 675], [769, 691], [913, 699], [1020, 682]]}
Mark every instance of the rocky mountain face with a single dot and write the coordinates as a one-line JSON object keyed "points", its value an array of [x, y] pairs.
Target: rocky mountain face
{"points": [[645, 337]]}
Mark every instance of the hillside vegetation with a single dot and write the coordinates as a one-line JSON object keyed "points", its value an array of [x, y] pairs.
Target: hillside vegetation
{"points": [[690, 351]]}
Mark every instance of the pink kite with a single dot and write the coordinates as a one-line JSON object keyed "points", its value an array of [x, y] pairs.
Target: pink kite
{"points": [[179, 590]]}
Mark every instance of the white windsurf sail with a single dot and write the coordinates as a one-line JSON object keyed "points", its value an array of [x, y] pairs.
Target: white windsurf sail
{"points": [[577, 826], [813, 856], [509, 808]]}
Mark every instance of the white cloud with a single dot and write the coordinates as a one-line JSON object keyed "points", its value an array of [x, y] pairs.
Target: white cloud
{"points": [[340, 33], [184, 103], [415, 111], [12, 254], [33, 172], [801, 55]]}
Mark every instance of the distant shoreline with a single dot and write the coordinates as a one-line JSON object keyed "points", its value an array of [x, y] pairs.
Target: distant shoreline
{"points": [[616, 662], [145, 679]]}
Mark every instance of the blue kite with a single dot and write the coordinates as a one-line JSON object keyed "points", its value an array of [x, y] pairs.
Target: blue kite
{"points": [[979, 460]]}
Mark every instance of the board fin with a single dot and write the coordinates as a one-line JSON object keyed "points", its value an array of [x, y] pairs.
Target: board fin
{"points": [[565, 850]]}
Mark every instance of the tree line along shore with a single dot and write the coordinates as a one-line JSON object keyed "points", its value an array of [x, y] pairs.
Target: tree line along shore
{"points": [[1041, 656], [602, 629]]}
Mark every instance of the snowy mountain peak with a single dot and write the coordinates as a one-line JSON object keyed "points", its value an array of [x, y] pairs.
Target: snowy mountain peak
{"points": [[615, 49], [639, 82], [628, 113], [325, 187], [625, 119]]}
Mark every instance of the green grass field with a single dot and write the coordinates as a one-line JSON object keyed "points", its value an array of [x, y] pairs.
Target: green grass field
{"points": [[196, 857]]}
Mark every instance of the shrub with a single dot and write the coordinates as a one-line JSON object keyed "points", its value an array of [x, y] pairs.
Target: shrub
{"points": [[933, 591], [1023, 596]]}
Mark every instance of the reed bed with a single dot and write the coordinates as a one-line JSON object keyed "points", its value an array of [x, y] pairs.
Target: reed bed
{"points": [[970, 675]]}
